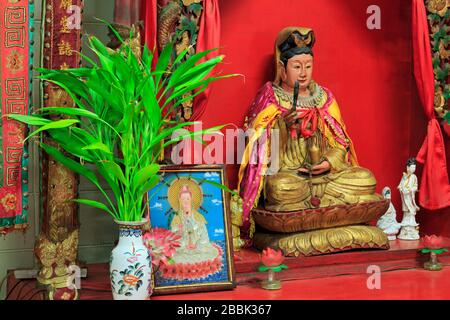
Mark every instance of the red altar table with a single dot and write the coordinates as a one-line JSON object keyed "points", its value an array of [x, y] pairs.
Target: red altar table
{"points": [[403, 255]]}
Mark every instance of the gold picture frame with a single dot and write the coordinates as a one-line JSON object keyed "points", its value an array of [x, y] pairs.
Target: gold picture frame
{"points": [[188, 202]]}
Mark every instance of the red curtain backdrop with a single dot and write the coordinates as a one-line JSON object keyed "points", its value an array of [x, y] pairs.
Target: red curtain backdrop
{"points": [[208, 38], [434, 187]]}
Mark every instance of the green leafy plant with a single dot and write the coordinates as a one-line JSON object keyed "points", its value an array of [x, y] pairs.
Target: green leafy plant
{"points": [[122, 121]]}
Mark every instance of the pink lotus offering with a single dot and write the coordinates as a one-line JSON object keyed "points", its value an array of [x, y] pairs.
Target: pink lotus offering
{"points": [[272, 261], [434, 245], [272, 258], [433, 242]]}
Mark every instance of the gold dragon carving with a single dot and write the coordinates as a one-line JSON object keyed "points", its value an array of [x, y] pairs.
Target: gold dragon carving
{"points": [[178, 22], [439, 21]]}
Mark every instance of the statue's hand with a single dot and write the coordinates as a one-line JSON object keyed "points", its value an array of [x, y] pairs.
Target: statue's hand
{"points": [[324, 166]]}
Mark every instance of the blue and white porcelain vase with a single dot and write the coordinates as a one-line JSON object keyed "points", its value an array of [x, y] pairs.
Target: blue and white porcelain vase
{"points": [[130, 264]]}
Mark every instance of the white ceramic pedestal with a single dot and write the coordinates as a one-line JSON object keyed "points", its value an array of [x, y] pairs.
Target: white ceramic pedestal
{"points": [[409, 233]]}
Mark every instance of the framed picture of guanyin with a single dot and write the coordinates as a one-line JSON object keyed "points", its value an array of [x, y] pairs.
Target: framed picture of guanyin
{"points": [[188, 212]]}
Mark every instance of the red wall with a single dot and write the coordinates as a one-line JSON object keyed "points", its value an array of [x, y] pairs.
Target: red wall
{"points": [[369, 72]]}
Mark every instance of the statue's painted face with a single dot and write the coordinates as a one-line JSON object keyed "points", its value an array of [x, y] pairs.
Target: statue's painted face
{"points": [[186, 202], [299, 68], [411, 168]]}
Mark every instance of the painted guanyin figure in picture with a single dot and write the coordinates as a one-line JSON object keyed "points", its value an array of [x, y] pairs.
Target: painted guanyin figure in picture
{"points": [[191, 226], [197, 257], [313, 164]]}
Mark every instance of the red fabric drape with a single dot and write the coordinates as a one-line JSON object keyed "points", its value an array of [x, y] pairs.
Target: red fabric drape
{"points": [[150, 17], [434, 190], [208, 38]]}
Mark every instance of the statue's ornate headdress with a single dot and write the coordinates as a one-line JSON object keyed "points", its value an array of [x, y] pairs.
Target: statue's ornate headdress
{"points": [[290, 42]]}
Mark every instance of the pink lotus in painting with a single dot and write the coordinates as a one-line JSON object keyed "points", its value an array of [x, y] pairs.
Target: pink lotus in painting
{"points": [[162, 244]]}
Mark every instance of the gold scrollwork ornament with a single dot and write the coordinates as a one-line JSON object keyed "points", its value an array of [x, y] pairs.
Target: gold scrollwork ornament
{"points": [[439, 7]]}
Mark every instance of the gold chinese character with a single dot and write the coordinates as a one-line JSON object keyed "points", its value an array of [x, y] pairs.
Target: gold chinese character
{"points": [[64, 25], [65, 4], [65, 49], [64, 66]]}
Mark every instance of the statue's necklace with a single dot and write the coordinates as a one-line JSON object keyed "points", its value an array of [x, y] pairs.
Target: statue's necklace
{"points": [[317, 98]]}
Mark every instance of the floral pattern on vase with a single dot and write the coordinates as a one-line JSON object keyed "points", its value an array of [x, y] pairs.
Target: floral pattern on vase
{"points": [[130, 265]]}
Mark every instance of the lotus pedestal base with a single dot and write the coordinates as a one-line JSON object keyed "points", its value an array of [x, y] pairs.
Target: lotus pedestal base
{"points": [[323, 241]]}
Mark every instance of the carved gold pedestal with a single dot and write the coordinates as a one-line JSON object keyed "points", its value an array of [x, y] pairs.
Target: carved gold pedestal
{"points": [[323, 241], [320, 218]]}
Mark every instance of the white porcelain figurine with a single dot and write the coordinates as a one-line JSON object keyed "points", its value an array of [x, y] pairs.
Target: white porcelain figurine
{"points": [[388, 222], [408, 187]]}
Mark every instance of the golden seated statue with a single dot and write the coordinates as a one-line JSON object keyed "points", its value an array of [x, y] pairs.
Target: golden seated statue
{"points": [[300, 171]]}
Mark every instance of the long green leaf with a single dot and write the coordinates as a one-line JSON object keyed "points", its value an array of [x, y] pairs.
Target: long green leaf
{"points": [[70, 112], [69, 163], [54, 125], [163, 61], [30, 120], [98, 146], [116, 171], [185, 66], [152, 182], [220, 186], [145, 173], [71, 143]]}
